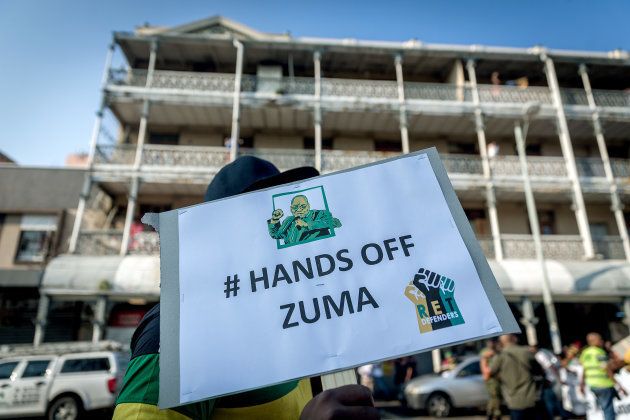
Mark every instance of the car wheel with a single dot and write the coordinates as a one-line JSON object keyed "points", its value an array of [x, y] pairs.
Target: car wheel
{"points": [[439, 405], [64, 408]]}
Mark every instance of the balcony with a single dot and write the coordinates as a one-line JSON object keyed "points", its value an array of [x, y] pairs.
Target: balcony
{"points": [[199, 163], [515, 246], [223, 83], [108, 242]]}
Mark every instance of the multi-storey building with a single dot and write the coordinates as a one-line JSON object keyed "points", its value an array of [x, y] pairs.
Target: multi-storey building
{"points": [[37, 208], [191, 98]]}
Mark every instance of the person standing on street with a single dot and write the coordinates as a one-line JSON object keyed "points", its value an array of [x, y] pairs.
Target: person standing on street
{"points": [[594, 359], [493, 386], [519, 374]]}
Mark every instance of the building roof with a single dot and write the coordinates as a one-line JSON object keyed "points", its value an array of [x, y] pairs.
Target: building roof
{"points": [[221, 28], [25, 188]]}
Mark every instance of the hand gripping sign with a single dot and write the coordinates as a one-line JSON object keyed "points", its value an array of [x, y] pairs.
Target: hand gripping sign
{"points": [[319, 276]]}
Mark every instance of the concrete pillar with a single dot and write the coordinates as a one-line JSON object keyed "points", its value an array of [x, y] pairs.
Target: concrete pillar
{"points": [[41, 320], [402, 108], [485, 163], [78, 218], [529, 321], [317, 117], [98, 323], [131, 209], [616, 204], [145, 107], [236, 101], [569, 158]]}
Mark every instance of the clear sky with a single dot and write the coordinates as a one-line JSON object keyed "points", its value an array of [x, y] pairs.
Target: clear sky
{"points": [[52, 51]]}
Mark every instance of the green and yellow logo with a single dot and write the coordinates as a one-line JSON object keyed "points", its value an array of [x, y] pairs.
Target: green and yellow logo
{"points": [[434, 297], [306, 223]]}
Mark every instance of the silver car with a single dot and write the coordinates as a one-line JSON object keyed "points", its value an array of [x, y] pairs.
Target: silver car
{"points": [[439, 394]]}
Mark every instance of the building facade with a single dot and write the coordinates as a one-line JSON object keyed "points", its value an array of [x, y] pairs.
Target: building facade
{"points": [[37, 208], [189, 99]]}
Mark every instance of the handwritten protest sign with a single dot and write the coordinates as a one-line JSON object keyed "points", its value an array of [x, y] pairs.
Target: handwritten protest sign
{"points": [[319, 276]]}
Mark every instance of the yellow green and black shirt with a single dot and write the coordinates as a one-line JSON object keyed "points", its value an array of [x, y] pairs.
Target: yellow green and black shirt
{"points": [[139, 395]]}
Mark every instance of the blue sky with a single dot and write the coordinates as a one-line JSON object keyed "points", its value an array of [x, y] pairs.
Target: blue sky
{"points": [[52, 52]]}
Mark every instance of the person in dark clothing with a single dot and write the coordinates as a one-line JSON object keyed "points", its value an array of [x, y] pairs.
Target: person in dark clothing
{"points": [[139, 394]]}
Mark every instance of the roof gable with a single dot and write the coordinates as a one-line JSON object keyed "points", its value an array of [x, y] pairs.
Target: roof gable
{"points": [[216, 25]]}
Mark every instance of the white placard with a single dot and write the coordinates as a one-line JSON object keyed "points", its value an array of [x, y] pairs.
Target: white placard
{"points": [[363, 265]]}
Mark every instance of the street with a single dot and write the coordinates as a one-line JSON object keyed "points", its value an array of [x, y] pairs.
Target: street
{"points": [[393, 410]]}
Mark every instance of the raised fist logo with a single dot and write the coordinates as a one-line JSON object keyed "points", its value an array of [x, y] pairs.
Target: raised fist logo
{"points": [[434, 297]]}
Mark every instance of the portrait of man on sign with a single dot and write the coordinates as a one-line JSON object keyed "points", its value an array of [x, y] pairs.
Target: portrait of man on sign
{"points": [[304, 224]]}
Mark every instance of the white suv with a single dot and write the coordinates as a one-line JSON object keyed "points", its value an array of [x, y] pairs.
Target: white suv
{"points": [[60, 386]]}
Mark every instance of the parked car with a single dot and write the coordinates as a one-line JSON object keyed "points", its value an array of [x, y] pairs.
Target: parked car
{"points": [[461, 387], [60, 386]]}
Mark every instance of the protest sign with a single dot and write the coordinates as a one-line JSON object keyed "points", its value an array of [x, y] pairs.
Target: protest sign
{"points": [[318, 276]]}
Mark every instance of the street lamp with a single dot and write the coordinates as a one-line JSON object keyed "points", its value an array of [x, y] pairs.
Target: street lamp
{"points": [[520, 134]]}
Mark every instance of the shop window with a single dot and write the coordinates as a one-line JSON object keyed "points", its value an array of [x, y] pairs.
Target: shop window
{"points": [[36, 238]]}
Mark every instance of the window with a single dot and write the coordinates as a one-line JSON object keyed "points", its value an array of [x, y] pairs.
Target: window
{"points": [[477, 220], [309, 143], [6, 369], [470, 369], [35, 368], [387, 146], [85, 365], [462, 148], [161, 138], [598, 230], [547, 220], [36, 237]]}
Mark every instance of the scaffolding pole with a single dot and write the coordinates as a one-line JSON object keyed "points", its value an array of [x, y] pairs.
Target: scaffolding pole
{"points": [[569, 158], [317, 117], [491, 201], [616, 205], [236, 101], [550, 309], [402, 107]]}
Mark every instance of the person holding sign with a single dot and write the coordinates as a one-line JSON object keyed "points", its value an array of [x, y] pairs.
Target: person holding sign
{"points": [[295, 399], [305, 224]]}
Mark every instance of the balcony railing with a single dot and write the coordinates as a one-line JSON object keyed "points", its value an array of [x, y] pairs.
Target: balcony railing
{"points": [[211, 159], [604, 98], [108, 242], [556, 247], [144, 243], [99, 242], [382, 89]]}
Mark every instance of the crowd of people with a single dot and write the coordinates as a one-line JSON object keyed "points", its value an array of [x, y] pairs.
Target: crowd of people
{"points": [[528, 380], [532, 383]]}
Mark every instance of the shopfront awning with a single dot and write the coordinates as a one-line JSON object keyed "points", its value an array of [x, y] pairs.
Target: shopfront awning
{"points": [[139, 276], [118, 277], [569, 280]]}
